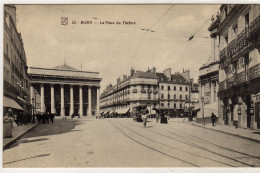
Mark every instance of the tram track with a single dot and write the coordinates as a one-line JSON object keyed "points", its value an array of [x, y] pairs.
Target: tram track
{"points": [[191, 143], [175, 148], [154, 149]]}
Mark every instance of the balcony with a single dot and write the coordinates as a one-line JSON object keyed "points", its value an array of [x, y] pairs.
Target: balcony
{"points": [[254, 26], [222, 85], [236, 46], [230, 82], [254, 72], [240, 78], [223, 54]]}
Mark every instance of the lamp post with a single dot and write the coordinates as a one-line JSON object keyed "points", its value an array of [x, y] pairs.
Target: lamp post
{"points": [[202, 101], [33, 110]]}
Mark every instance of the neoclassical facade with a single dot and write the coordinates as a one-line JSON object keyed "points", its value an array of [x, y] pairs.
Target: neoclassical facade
{"points": [[65, 90]]}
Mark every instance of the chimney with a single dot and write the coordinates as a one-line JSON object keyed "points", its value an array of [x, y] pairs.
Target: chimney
{"points": [[153, 70], [124, 77], [132, 71], [118, 80], [168, 73]]}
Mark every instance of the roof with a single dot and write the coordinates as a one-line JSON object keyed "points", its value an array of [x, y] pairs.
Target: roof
{"points": [[147, 75], [162, 76], [65, 67], [178, 79]]}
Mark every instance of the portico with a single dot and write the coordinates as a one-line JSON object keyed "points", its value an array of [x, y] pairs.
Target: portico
{"points": [[65, 91]]}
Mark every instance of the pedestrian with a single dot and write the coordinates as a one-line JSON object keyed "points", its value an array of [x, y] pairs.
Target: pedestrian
{"points": [[144, 117], [73, 117], [157, 117], [213, 118], [164, 118], [51, 115]]}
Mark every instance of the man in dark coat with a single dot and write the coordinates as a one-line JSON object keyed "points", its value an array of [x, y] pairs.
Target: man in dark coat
{"points": [[213, 118]]}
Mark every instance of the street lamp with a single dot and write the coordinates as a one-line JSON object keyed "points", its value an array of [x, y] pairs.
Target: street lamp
{"points": [[33, 110], [202, 100]]}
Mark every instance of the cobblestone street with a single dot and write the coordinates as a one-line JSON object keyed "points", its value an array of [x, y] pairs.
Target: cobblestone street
{"points": [[121, 142]]}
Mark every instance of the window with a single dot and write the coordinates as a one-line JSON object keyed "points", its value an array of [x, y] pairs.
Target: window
{"points": [[162, 87], [247, 20], [174, 96], [162, 104], [168, 96], [235, 29], [180, 88], [169, 103], [180, 96], [226, 11], [169, 87], [180, 105], [162, 96], [174, 105], [186, 97], [186, 88], [174, 88]]}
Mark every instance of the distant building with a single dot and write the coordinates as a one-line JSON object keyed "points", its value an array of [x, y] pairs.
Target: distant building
{"points": [[173, 91], [164, 91], [16, 82], [65, 90], [239, 74], [138, 89]]}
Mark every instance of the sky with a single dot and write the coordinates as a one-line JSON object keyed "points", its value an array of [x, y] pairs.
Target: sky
{"points": [[113, 49]]}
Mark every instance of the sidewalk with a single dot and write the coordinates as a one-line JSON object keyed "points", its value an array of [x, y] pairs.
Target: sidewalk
{"points": [[17, 133], [252, 135]]}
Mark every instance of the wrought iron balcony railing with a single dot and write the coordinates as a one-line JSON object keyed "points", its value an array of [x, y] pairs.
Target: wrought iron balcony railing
{"points": [[254, 26], [222, 85], [254, 72]]}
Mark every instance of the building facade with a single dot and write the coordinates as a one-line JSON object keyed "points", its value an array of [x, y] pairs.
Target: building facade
{"points": [[138, 89], [174, 92], [163, 91], [16, 80], [209, 77], [239, 73], [65, 91]]}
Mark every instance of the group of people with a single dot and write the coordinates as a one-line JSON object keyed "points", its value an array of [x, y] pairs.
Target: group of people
{"points": [[20, 117], [45, 118], [159, 115]]}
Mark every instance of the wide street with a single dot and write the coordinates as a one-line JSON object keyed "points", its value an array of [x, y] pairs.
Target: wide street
{"points": [[91, 142]]}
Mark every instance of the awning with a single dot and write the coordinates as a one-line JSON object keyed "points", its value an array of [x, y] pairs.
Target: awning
{"points": [[208, 110], [11, 103], [122, 111]]}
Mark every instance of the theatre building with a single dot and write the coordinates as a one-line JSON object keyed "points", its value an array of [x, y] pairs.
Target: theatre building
{"points": [[65, 90], [239, 74]]}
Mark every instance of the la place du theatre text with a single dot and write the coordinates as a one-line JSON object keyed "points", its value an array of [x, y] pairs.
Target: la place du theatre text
{"points": [[107, 22]]}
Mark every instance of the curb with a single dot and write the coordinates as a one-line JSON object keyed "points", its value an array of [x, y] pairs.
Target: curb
{"points": [[232, 134], [6, 146]]}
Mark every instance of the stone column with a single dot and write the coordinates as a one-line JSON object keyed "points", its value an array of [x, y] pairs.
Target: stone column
{"points": [[71, 100], [53, 111], [98, 100], [89, 101], [80, 101], [62, 105], [42, 99], [212, 93], [32, 97]]}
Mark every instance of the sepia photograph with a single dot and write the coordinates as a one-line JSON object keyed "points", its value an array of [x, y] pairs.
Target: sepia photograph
{"points": [[131, 85]]}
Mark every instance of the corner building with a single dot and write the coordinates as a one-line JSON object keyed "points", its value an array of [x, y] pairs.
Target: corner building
{"points": [[16, 84], [65, 90], [239, 74]]}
